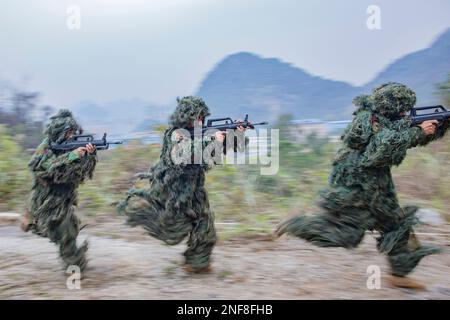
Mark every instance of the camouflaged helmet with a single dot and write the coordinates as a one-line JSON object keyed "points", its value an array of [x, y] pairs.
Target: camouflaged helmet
{"points": [[60, 124], [189, 110], [363, 102], [391, 99]]}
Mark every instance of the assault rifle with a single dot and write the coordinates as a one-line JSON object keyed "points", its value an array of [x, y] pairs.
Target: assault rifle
{"points": [[229, 124], [422, 114], [81, 141]]}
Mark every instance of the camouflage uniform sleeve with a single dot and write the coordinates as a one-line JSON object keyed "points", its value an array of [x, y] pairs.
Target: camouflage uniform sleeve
{"points": [[358, 134], [67, 168], [388, 147], [64, 159]]}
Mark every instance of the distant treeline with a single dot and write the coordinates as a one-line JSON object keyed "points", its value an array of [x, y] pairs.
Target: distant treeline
{"points": [[23, 117]]}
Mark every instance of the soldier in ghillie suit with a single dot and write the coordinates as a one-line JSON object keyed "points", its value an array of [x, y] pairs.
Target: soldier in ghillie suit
{"points": [[56, 177], [176, 203], [361, 194]]}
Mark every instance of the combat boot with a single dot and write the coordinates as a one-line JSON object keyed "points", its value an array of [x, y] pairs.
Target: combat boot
{"points": [[26, 223], [405, 282], [190, 269]]}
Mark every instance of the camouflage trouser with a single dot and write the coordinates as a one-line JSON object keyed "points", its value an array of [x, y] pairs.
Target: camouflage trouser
{"points": [[63, 231], [339, 229], [174, 228]]}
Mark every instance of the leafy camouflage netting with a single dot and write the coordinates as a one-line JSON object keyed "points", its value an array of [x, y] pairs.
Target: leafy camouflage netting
{"points": [[361, 195], [56, 177], [177, 204]]}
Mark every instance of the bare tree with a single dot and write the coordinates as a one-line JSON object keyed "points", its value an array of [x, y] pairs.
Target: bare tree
{"points": [[23, 105]]}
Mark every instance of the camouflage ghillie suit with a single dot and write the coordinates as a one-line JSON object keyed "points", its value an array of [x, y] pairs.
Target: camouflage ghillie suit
{"points": [[361, 195], [177, 204], [56, 177]]}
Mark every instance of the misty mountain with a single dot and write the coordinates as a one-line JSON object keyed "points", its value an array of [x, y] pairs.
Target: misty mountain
{"points": [[123, 116], [420, 70], [265, 88]]}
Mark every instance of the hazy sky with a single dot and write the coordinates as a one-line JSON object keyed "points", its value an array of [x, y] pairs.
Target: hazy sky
{"points": [[159, 49]]}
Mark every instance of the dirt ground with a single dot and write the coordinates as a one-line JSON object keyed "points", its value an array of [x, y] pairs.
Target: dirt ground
{"points": [[127, 264]]}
